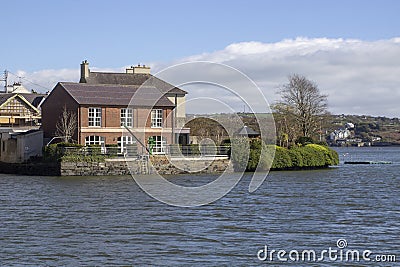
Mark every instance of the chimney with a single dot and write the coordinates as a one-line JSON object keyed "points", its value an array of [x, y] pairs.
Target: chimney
{"points": [[84, 71], [138, 69]]}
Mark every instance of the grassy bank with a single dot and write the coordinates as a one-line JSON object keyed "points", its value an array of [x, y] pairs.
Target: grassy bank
{"points": [[310, 156]]}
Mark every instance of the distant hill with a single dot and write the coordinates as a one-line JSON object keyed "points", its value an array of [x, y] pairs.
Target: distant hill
{"points": [[365, 127]]}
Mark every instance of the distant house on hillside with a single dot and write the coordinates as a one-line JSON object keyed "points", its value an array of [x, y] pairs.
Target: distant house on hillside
{"points": [[339, 134], [104, 105]]}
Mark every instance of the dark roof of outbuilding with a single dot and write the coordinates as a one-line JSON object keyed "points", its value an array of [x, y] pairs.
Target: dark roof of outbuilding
{"points": [[247, 131], [131, 79], [116, 95]]}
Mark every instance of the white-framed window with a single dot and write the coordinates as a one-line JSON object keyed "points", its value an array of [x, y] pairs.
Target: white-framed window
{"points": [[126, 117], [159, 143], [125, 141], [94, 140], [156, 118], [95, 117]]}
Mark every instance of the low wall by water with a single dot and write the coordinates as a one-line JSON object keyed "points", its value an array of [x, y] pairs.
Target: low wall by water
{"points": [[156, 164]]}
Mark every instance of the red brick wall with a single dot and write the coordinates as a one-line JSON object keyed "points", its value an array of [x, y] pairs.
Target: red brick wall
{"points": [[52, 109], [110, 116]]}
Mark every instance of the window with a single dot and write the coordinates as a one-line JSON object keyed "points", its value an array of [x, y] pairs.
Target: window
{"points": [[126, 117], [95, 117], [125, 142], [156, 118], [94, 140], [157, 144]]}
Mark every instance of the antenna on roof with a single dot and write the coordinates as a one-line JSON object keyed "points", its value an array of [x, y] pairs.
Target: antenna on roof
{"points": [[5, 77]]}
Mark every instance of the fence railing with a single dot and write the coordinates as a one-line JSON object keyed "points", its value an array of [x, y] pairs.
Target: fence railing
{"points": [[197, 150], [132, 151]]}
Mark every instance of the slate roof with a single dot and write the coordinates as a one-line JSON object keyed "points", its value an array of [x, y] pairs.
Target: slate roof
{"points": [[34, 99], [116, 95], [4, 97], [131, 79]]}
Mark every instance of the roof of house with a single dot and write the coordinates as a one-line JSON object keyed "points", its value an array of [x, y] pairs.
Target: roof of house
{"points": [[131, 79], [116, 95], [4, 97], [33, 100]]}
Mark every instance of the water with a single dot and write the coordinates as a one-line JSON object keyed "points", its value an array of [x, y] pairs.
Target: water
{"points": [[110, 221]]}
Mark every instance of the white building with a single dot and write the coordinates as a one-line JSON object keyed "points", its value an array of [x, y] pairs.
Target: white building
{"points": [[339, 134], [17, 88]]}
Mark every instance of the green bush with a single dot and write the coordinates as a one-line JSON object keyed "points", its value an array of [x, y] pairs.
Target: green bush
{"points": [[330, 156], [282, 158], [279, 158], [239, 155], [296, 156], [64, 144]]}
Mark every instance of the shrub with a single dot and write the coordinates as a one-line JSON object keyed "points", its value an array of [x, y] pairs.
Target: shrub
{"points": [[296, 156], [282, 159], [239, 155], [330, 156], [276, 157], [64, 144]]}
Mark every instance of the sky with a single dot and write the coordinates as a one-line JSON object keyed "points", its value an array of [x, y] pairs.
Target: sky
{"points": [[350, 49]]}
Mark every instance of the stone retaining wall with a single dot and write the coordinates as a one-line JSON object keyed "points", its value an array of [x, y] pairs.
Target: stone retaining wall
{"points": [[157, 164]]}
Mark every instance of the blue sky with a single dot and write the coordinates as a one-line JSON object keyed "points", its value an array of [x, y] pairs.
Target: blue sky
{"points": [[59, 34], [39, 36]]}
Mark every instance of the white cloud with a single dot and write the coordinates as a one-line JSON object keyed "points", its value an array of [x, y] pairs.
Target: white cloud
{"points": [[360, 77]]}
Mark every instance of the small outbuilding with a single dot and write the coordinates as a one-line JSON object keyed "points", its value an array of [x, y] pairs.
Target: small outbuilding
{"points": [[16, 147], [246, 131]]}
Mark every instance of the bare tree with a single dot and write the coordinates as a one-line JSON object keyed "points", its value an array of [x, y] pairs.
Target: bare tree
{"points": [[66, 125], [303, 103]]}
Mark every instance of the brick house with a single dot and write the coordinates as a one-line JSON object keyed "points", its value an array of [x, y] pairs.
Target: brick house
{"points": [[103, 109], [138, 76]]}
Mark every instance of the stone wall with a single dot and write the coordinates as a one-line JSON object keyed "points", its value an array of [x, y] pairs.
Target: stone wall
{"points": [[163, 165], [157, 164], [118, 167]]}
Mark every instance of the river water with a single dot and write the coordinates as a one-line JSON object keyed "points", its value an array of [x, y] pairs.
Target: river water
{"points": [[110, 221]]}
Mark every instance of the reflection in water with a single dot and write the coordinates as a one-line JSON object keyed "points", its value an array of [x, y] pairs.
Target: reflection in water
{"points": [[110, 221]]}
